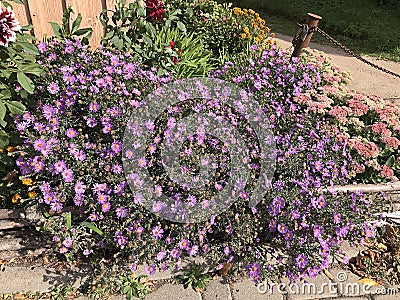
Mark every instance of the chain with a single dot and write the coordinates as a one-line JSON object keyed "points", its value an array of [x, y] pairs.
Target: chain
{"points": [[348, 51]]}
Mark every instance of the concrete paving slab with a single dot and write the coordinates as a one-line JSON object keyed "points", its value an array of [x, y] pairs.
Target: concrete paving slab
{"points": [[245, 289], [217, 290], [319, 287], [171, 291], [386, 297], [39, 279]]}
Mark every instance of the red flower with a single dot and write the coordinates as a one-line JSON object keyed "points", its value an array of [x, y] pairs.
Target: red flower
{"points": [[155, 9], [8, 26], [172, 44]]}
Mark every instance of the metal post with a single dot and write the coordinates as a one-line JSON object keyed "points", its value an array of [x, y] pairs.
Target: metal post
{"points": [[312, 22]]}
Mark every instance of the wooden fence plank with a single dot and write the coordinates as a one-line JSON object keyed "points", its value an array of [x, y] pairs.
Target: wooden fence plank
{"points": [[20, 13], [42, 12], [90, 10]]}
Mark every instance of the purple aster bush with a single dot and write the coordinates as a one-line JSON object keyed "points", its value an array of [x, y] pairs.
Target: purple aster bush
{"points": [[74, 151], [302, 220]]}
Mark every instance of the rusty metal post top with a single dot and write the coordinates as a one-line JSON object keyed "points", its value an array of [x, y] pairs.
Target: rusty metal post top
{"points": [[314, 16]]}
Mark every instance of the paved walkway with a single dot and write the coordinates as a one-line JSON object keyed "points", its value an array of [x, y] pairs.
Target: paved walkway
{"points": [[365, 80]]}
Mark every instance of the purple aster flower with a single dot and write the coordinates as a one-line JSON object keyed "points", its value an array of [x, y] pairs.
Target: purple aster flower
{"points": [[121, 212], [39, 144], [68, 175], [56, 206], [158, 232], [116, 147], [87, 252], [91, 122], [336, 218], [301, 261], [71, 133], [191, 200], [102, 198], [94, 106], [117, 169], [184, 244], [282, 228], [80, 187], [67, 242], [150, 270], [105, 207], [161, 255], [278, 185], [175, 253], [193, 250], [42, 47], [53, 88]]}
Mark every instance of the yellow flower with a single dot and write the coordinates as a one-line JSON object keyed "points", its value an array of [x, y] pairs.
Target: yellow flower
{"points": [[236, 11], [16, 198], [251, 11], [243, 35], [2, 151], [31, 195], [10, 149], [246, 29], [27, 181], [272, 35]]}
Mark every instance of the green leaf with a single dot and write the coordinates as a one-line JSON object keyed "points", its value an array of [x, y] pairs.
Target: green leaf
{"points": [[147, 40], [93, 228], [56, 30], [3, 111], [390, 161], [15, 107], [4, 139], [5, 94], [25, 82], [141, 11], [151, 30], [76, 24], [68, 219], [32, 49], [181, 26], [83, 31]]}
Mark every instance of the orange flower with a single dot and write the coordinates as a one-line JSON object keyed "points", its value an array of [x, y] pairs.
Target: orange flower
{"points": [[27, 181], [16, 198], [31, 195]]}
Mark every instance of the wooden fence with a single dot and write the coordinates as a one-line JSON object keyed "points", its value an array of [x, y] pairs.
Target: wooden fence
{"points": [[40, 12]]}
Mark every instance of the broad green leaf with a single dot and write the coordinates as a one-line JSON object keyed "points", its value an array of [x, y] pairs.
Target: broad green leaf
{"points": [[5, 94], [93, 228], [16, 108], [181, 26], [76, 24], [4, 139], [56, 30], [32, 49], [25, 82]]}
